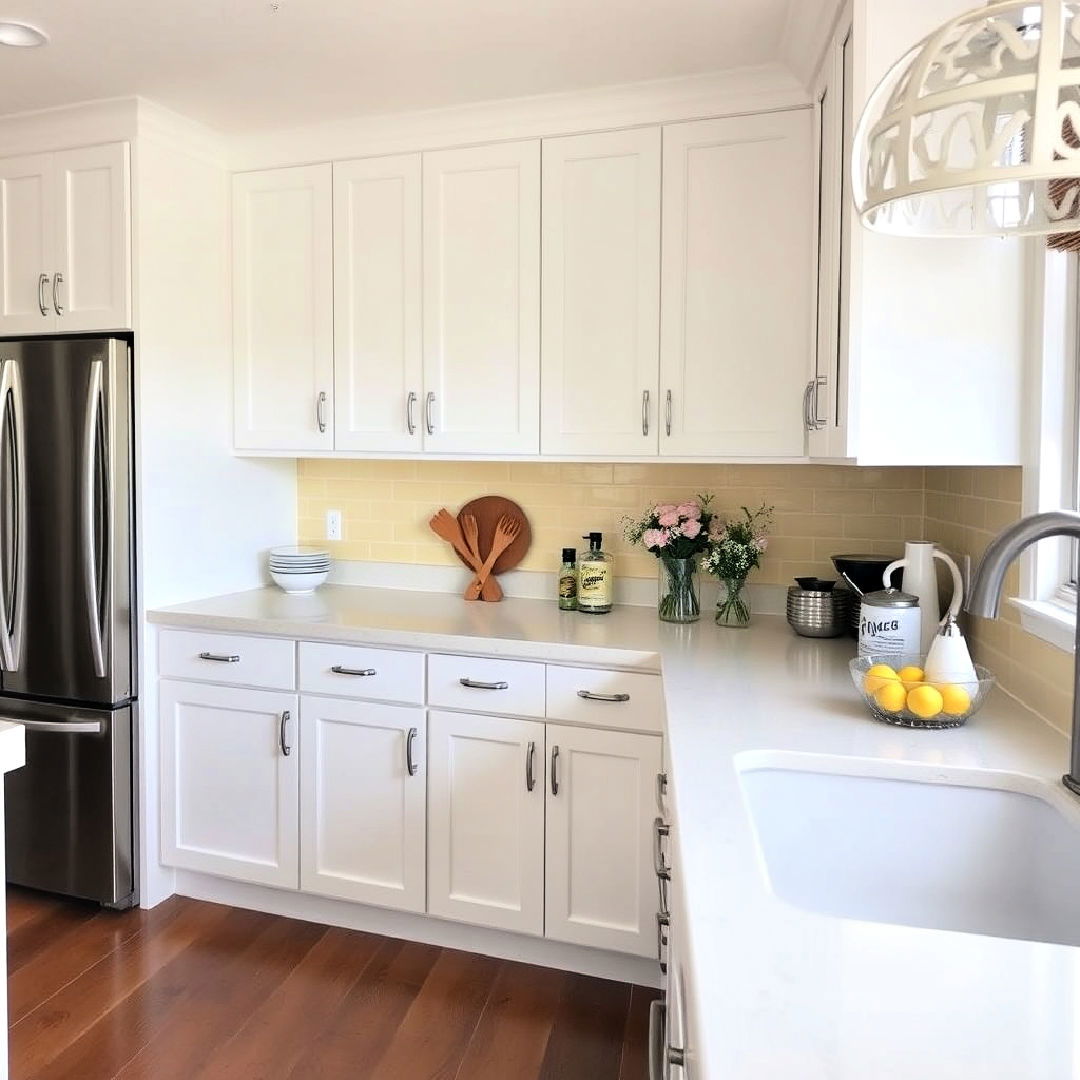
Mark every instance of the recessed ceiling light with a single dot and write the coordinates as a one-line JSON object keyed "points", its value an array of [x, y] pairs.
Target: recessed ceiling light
{"points": [[21, 35]]}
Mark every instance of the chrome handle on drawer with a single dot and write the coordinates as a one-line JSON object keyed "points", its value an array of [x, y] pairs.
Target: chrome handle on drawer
{"points": [[663, 921], [337, 669], [221, 658], [476, 684], [530, 774], [286, 749], [661, 790], [410, 764], [588, 695], [660, 829], [554, 770]]}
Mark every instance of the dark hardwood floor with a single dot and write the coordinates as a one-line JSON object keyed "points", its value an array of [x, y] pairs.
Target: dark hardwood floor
{"points": [[199, 990]]}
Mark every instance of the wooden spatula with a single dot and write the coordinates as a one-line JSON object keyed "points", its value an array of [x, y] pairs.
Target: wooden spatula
{"points": [[505, 533]]}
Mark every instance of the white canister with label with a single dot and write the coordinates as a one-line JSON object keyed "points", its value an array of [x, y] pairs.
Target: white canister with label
{"points": [[890, 624]]}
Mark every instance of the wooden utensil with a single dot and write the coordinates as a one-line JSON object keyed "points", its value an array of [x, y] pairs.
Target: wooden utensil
{"points": [[445, 526], [506, 532], [487, 510], [490, 590]]}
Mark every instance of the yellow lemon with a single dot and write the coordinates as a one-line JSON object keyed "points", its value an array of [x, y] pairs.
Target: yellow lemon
{"points": [[891, 696], [955, 700], [925, 701], [877, 677], [911, 677]]}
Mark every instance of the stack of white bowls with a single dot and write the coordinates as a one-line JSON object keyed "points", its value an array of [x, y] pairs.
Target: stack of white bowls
{"points": [[299, 569]]}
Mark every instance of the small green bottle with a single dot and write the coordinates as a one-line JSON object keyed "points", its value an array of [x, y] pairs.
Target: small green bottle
{"points": [[568, 580]]}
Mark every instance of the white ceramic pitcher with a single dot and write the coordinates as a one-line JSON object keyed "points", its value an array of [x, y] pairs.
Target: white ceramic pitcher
{"points": [[920, 579]]}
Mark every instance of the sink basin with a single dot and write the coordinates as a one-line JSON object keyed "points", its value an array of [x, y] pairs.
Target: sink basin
{"points": [[987, 853]]}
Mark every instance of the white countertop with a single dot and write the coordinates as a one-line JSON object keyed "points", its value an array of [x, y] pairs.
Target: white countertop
{"points": [[777, 991], [12, 746]]}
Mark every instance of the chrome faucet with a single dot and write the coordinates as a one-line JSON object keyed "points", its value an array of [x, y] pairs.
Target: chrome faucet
{"points": [[985, 596]]}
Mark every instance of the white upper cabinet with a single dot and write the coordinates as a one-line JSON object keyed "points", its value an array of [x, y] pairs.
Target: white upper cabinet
{"points": [[283, 309], [65, 241], [737, 274], [481, 225], [378, 337], [363, 795], [601, 289]]}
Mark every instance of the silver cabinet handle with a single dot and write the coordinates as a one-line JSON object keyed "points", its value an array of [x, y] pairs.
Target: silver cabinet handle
{"points": [[667, 412], [644, 412], [663, 921], [588, 695], [42, 284], [808, 422], [62, 727], [660, 830], [817, 421], [410, 419], [661, 790], [286, 749], [57, 281], [337, 669], [554, 770], [662, 889], [657, 1038], [11, 430], [675, 1056], [93, 421], [410, 764], [429, 403], [221, 658], [320, 411], [530, 764], [476, 684]]}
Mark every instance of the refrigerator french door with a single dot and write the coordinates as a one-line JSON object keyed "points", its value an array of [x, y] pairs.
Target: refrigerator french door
{"points": [[67, 663]]}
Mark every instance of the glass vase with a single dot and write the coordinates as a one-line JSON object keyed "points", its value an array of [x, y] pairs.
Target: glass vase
{"points": [[678, 591], [733, 604]]}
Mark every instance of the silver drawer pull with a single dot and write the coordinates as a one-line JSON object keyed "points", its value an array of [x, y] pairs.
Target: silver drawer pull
{"points": [[62, 727], [337, 669], [220, 658], [661, 790], [588, 695], [286, 749], [663, 921], [410, 761], [476, 684], [660, 830]]}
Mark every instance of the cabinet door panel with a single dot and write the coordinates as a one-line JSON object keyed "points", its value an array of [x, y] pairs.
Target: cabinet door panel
{"points": [[283, 299], [362, 813], [736, 297], [485, 828], [229, 793], [26, 227], [601, 288], [377, 330], [600, 887], [93, 238], [482, 299]]}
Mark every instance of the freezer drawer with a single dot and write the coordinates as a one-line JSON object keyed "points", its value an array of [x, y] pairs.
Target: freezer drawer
{"points": [[69, 810]]}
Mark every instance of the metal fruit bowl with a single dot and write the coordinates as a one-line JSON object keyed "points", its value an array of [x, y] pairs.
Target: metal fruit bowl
{"points": [[950, 715]]}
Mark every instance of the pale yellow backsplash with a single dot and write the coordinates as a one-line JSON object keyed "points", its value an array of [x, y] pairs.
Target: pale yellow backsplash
{"points": [[965, 508], [820, 510]]}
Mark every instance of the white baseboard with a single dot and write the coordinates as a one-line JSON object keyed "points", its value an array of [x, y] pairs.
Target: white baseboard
{"points": [[423, 928]]}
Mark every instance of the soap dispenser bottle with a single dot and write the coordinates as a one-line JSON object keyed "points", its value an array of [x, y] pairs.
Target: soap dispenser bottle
{"points": [[595, 577]]}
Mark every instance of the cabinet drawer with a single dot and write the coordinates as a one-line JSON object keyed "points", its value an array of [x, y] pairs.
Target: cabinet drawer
{"points": [[357, 672], [227, 658], [618, 699], [507, 687]]}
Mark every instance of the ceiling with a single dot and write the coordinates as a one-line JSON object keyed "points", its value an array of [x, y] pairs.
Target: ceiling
{"points": [[242, 66]]}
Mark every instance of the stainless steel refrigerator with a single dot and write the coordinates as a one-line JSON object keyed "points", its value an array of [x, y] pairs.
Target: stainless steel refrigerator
{"points": [[67, 592]]}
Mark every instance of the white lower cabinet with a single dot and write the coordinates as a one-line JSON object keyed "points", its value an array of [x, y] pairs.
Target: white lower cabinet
{"points": [[600, 882], [229, 760], [486, 820], [362, 801]]}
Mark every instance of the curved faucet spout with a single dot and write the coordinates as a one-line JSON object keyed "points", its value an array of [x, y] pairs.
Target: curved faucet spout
{"points": [[985, 596]]}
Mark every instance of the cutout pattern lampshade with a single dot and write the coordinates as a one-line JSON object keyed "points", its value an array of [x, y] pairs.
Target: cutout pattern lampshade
{"points": [[973, 131]]}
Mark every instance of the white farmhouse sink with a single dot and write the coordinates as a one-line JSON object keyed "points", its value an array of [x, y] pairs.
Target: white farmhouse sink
{"points": [[955, 849]]}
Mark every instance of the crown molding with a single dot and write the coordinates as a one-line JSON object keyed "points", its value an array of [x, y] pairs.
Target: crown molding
{"points": [[809, 28], [87, 123], [752, 89], [157, 123]]}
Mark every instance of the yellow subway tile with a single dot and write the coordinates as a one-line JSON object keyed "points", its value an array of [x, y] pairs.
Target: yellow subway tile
{"points": [[841, 501]]}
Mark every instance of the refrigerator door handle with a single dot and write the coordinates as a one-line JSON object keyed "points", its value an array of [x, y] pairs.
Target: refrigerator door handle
{"points": [[89, 523], [63, 727], [12, 607]]}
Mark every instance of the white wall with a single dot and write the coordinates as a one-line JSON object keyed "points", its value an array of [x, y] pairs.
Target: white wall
{"points": [[205, 516]]}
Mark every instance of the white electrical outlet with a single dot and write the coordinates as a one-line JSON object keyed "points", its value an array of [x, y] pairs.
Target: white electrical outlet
{"points": [[333, 524]]}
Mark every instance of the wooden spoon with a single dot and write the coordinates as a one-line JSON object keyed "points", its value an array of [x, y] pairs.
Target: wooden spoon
{"points": [[446, 527], [490, 590], [505, 533]]}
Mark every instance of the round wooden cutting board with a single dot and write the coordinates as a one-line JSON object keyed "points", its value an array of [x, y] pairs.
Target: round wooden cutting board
{"points": [[487, 510]]}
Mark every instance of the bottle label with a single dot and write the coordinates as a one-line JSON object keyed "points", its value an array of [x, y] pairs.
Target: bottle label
{"points": [[594, 586], [568, 586]]}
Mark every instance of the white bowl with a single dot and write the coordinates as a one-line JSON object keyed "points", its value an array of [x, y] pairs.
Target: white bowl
{"points": [[299, 584]]}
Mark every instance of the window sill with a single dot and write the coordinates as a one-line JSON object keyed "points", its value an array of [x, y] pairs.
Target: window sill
{"points": [[1048, 620]]}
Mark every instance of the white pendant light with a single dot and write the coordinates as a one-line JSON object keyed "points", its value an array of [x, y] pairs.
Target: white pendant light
{"points": [[21, 35], [976, 130]]}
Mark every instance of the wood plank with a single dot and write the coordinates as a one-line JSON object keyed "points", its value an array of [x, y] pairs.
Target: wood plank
{"points": [[586, 1040], [44, 1033], [435, 1032], [365, 1023], [293, 1017], [635, 1042], [27, 941], [24, 905], [223, 995], [512, 1036]]}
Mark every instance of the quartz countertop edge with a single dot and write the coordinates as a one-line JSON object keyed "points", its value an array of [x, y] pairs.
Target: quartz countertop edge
{"points": [[774, 991]]}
